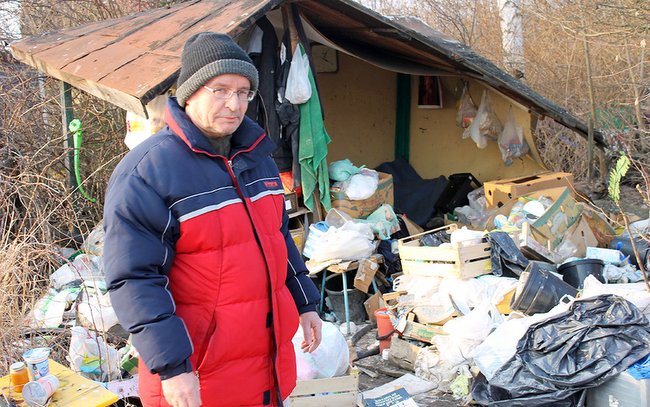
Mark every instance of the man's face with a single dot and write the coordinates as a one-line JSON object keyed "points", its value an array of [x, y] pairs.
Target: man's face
{"points": [[216, 117]]}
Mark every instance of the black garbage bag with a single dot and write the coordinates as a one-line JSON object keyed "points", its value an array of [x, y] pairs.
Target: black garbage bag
{"points": [[507, 259], [560, 357]]}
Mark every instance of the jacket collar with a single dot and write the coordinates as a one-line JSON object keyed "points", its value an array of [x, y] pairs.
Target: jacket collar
{"points": [[249, 138]]}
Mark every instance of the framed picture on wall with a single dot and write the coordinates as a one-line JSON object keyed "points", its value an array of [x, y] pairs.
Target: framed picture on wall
{"points": [[429, 92]]}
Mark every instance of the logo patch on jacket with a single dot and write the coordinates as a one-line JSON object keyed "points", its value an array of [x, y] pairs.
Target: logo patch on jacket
{"points": [[271, 184]]}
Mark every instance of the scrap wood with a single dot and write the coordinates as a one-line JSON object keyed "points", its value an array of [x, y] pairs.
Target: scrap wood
{"points": [[380, 369], [369, 372]]}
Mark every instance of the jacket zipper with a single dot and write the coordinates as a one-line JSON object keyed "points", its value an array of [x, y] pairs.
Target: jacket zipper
{"points": [[231, 172]]}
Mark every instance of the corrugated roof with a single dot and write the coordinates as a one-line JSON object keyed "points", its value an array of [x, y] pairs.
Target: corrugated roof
{"points": [[130, 60]]}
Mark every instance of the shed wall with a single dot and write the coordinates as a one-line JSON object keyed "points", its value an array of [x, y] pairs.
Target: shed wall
{"points": [[360, 102]]}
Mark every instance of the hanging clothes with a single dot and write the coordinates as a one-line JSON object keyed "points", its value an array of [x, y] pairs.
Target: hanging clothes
{"points": [[263, 51], [288, 113], [313, 148]]}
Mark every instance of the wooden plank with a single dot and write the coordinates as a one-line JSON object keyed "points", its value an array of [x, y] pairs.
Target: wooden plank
{"points": [[116, 97], [328, 400], [342, 383], [98, 64], [128, 78]]}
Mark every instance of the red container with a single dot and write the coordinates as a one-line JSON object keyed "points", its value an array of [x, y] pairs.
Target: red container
{"points": [[385, 329]]}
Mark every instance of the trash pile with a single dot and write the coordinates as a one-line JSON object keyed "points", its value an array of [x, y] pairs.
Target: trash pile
{"points": [[78, 301], [509, 293]]}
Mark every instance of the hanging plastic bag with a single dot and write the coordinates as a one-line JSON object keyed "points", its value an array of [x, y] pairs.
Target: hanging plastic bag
{"points": [[485, 125], [466, 110], [511, 140], [298, 85]]}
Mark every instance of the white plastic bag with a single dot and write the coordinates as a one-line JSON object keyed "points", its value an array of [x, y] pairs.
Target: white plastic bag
{"points": [[486, 124], [511, 140], [298, 85], [92, 357], [466, 109], [84, 267], [330, 359], [362, 185], [95, 311], [352, 241]]}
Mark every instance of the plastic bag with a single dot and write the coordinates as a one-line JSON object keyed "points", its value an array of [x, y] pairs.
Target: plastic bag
{"points": [[590, 343], [92, 357], [383, 221], [362, 185], [330, 359], [486, 124], [466, 110], [84, 267], [352, 241], [342, 170], [511, 140], [298, 85], [94, 243]]}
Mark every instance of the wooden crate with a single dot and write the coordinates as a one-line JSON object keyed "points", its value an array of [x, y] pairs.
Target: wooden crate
{"points": [[338, 391], [462, 262]]}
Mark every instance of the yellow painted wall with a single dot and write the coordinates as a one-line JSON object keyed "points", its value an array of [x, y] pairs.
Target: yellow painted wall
{"points": [[437, 146], [359, 102]]}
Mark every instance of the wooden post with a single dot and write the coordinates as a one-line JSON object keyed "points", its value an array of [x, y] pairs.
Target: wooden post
{"points": [[66, 118], [592, 102]]}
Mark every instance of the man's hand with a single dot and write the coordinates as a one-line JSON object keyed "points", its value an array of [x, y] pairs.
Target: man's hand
{"points": [[182, 390], [311, 329]]}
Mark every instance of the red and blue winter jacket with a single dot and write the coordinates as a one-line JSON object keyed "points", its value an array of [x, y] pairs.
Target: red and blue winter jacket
{"points": [[201, 267]]}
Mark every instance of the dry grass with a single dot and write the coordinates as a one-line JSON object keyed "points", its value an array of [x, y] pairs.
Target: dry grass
{"points": [[39, 213]]}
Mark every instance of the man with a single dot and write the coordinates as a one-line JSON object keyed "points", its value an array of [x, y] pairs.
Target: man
{"points": [[200, 265]]}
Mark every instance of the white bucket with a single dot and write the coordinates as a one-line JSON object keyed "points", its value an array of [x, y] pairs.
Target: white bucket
{"points": [[37, 362], [36, 394]]}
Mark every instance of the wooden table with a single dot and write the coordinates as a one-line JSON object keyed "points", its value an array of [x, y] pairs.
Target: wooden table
{"points": [[74, 390]]}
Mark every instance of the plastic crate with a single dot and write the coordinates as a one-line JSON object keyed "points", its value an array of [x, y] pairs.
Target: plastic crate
{"points": [[463, 262]]}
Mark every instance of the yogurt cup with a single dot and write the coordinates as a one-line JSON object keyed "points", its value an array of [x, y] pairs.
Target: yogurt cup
{"points": [[37, 393], [37, 362]]}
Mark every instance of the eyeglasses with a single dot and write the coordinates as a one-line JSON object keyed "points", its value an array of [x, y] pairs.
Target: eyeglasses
{"points": [[226, 94]]}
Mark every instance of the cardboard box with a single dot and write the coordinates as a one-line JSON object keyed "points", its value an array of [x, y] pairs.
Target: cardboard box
{"points": [[463, 262], [421, 332], [499, 192], [363, 208], [291, 202], [297, 230], [403, 353], [550, 228], [365, 274]]}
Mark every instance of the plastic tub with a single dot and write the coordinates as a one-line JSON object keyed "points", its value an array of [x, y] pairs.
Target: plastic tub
{"points": [[575, 272], [37, 362], [385, 329], [539, 290]]}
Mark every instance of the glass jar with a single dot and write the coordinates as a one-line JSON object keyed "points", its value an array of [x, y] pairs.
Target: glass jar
{"points": [[19, 376]]}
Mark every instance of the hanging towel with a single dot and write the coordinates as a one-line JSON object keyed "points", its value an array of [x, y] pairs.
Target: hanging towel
{"points": [[313, 149]]}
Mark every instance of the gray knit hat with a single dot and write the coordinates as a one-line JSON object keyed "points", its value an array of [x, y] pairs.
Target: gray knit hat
{"points": [[206, 55]]}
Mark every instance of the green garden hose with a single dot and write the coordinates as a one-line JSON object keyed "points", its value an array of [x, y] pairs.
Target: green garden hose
{"points": [[76, 128]]}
